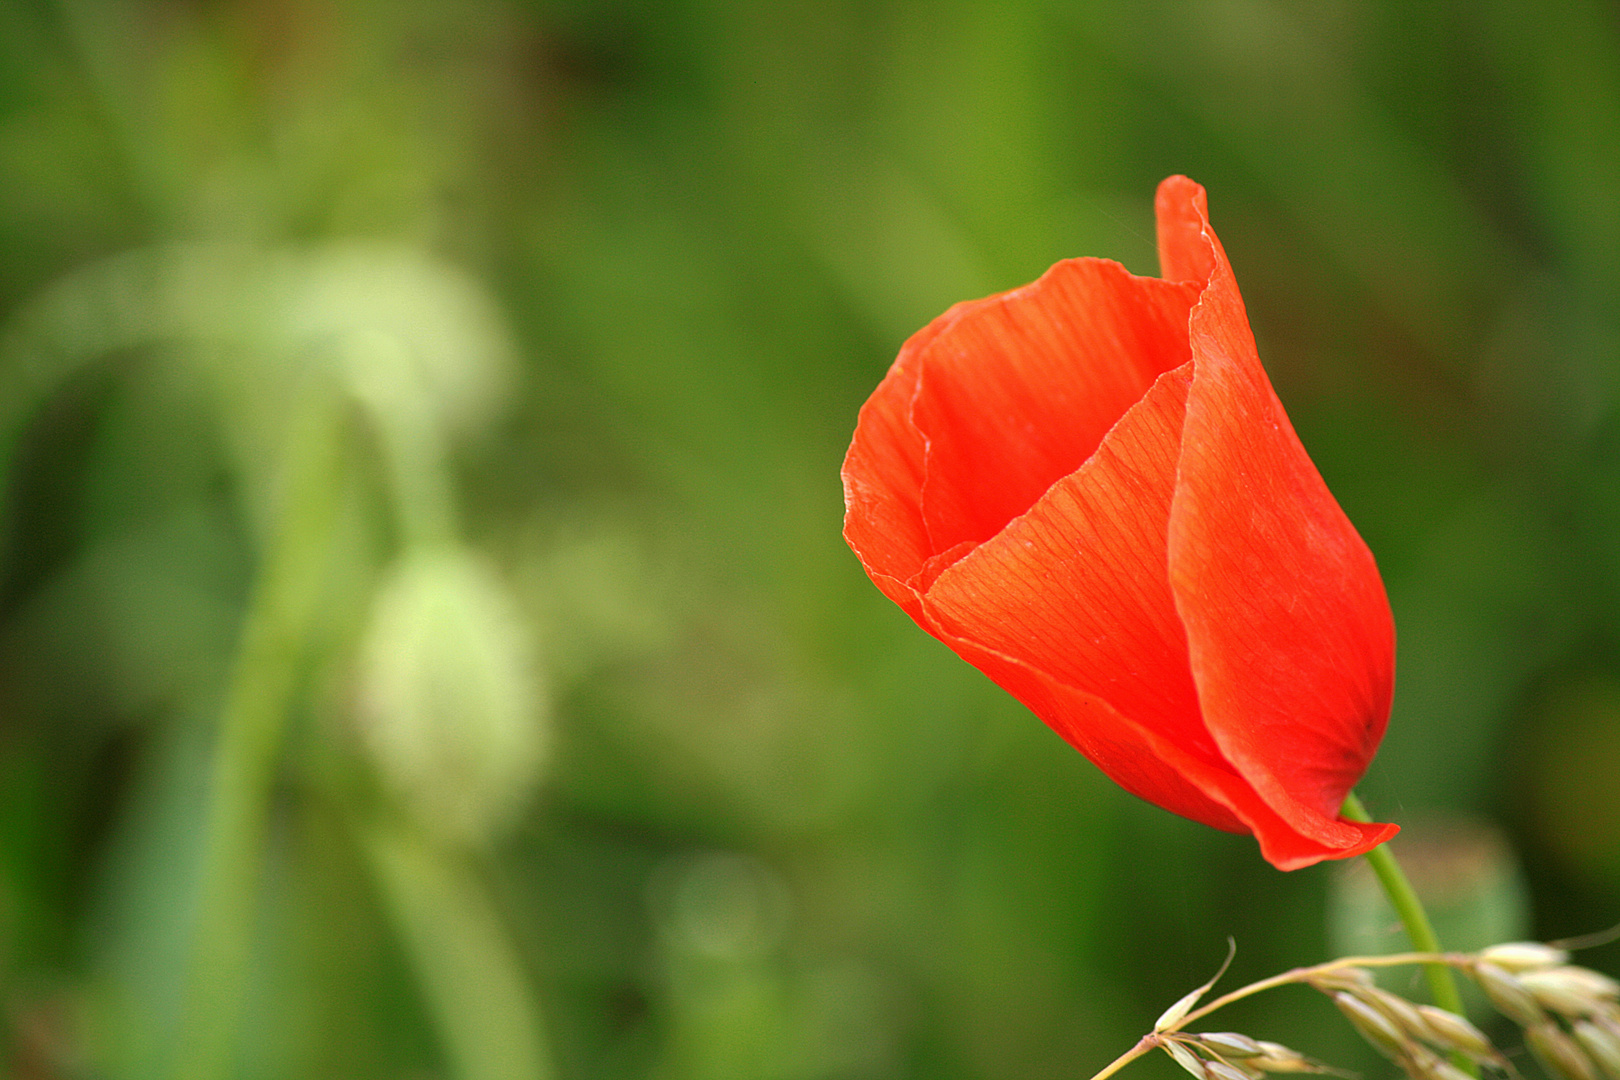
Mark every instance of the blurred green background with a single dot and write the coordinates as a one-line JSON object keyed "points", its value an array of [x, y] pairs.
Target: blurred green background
{"points": [[426, 644]]}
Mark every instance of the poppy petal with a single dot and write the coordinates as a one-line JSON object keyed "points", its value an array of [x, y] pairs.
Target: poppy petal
{"points": [[1018, 390], [1144, 765], [1289, 632], [882, 478], [1160, 770], [1076, 587], [1088, 489]]}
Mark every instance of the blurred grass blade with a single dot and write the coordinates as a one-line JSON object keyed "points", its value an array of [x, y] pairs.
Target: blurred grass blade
{"points": [[281, 611], [464, 958]]}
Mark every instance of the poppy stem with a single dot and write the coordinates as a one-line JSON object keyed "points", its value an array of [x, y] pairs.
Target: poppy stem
{"points": [[1442, 986]]}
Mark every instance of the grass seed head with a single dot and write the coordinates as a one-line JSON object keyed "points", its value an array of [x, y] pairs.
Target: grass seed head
{"points": [[1224, 1070], [1445, 1070], [1559, 1054], [1601, 1045], [1186, 1058], [1374, 1026], [1401, 1012], [1523, 956], [1345, 978], [1508, 994], [1230, 1044], [1449, 1031], [1277, 1058], [1427, 1065], [1573, 991]]}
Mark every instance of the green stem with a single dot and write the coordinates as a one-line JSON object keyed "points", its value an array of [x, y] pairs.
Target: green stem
{"points": [[1442, 987], [465, 959], [263, 685]]}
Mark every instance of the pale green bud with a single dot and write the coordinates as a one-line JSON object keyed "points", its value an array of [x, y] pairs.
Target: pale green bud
{"points": [[448, 697]]}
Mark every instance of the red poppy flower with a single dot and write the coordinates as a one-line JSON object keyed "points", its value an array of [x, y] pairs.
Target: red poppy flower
{"points": [[1087, 488]]}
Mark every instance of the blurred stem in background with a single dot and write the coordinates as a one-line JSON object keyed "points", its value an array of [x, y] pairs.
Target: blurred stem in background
{"points": [[462, 954], [448, 699], [281, 610], [450, 713], [414, 452]]}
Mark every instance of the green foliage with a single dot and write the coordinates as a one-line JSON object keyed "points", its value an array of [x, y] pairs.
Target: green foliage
{"points": [[583, 295]]}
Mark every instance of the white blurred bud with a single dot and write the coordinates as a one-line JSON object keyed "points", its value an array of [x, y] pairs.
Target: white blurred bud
{"points": [[449, 702], [410, 333]]}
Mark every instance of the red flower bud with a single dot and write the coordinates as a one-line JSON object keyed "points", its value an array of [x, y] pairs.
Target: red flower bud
{"points": [[1087, 488]]}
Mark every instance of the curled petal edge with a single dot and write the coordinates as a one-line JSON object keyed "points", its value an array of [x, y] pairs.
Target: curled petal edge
{"points": [[1173, 779], [1297, 575]]}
